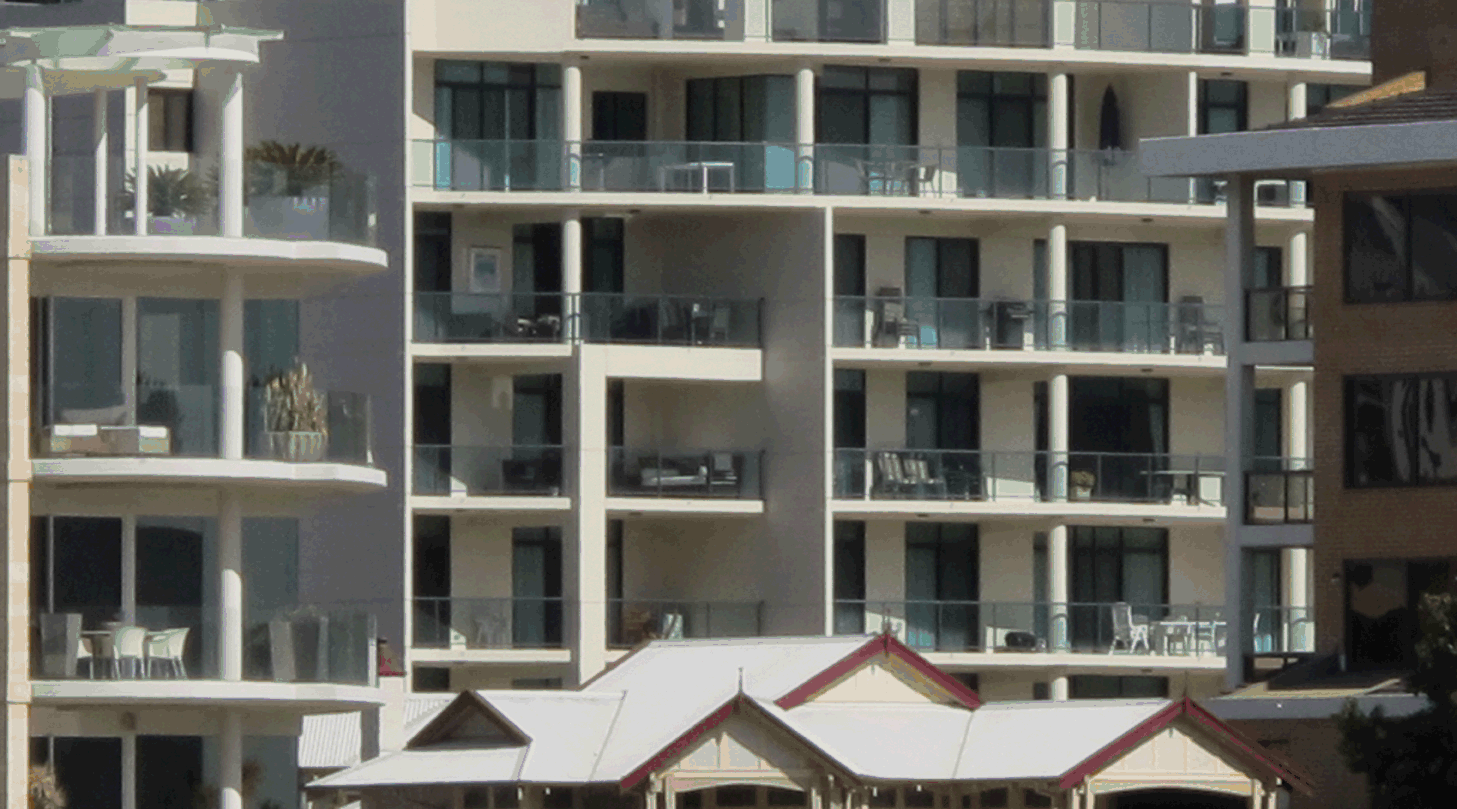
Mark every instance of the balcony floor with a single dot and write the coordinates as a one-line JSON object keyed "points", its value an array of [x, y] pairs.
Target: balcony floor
{"points": [[297, 698]]}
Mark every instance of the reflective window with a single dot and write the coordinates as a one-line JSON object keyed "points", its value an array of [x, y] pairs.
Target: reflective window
{"points": [[1400, 248], [1401, 430]]}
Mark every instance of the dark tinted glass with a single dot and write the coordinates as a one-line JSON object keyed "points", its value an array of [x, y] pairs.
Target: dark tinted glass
{"points": [[1433, 246], [1375, 247]]}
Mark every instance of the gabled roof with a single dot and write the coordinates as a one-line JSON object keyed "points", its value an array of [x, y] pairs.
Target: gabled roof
{"points": [[332, 741]]}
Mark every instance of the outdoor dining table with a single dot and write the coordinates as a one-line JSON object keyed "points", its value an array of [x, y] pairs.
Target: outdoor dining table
{"points": [[1187, 631]]}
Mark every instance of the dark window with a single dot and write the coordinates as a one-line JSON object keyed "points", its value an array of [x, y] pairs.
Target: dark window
{"points": [[1400, 430], [850, 578], [1001, 109], [507, 797], [619, 116], [784, 797], [602, 255], [1319, 96], [1036, 800], [1269, 269], [537, 683], [882, 798], [849, 264], [968, 679], [942, 582], [1041, 691], [169, 120], [1111, 565], [849, 408], [431, 680], [920, 799], [557, 798], [1400, 247], [690, 800], [741, 108], [432, 251], [943, 410], [736, 796], [1382, 603], [994, 798], [496, 100], [1096, 686], [858, 105], [1223, 106]]}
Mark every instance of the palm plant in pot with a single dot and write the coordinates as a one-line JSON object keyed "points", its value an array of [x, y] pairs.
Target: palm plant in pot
{"points": [[176, 199], [296, 415], [290, 189]]}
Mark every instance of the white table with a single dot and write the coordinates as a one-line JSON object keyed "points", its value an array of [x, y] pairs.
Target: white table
{"points": [[1192, 480], [700, 167], [1187, 632]]}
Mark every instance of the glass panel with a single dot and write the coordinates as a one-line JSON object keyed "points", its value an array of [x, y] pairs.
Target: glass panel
{"points": [[85, 353], [1375, 230], [842, 118], [89, 771], [1377, 433], [890, 120], [177, 350], [1433, 246], [170, 771], [270, 335], [86, 568], [1436, 431]]}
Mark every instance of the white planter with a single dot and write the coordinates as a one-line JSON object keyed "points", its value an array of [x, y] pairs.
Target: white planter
{"points": [[297, 447], [1082, 492]]}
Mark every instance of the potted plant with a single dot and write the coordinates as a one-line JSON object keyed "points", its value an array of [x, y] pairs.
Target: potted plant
{"points": [[176, 199], [44, 788], [289, 186], [297, 417], [1082, 482]]}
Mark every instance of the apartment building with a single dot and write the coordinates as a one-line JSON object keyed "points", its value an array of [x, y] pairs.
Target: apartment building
{"points": [[175, 438]]}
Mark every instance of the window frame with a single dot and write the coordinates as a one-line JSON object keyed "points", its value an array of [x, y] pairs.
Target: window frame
{"points": [[1241, 107], [158, 136], [1348, 465], [1408, 294]]}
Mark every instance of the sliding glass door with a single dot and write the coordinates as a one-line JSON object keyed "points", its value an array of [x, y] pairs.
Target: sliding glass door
{"points": [[177, 368], [748, 110], [1120, 296], [1001, 128], [499, 125], [942, 284], [79, 361], [1111, 565], [536, 586], [1118, 431], [850, 578], [941, 566]]}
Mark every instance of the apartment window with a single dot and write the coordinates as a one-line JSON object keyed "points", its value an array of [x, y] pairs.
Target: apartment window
{"points": [[169, 120], [850, 578], [536, 586], [1401, 430], [941, 565], [943, 411], [775, 796], [755, 109], [619, 116], [536, 683], [725, 797], [1120, 295], [1041, 692], [558, 797], [1223, 106], [1001, 109], [860, 105], [1400, 247], [1269, 268], [1382, 602], [1111, 565], [497, 100], [1096, 686], [432, 251], [1320, 96]]}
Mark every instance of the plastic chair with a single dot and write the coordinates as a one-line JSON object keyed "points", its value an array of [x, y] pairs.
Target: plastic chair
{"points": [[128, 645], [83, 655], [1126, 631], [167, 647]]}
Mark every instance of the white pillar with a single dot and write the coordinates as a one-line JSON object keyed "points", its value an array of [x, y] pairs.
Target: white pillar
{"points": [[1057, 309], [585, 555], [1298, 261], [1300, 633], [572, 128], [37, 147], [230, 761], [143, 143], [1191, 123], [1057, 425], [128, 769], [572, 275], [1239, 392], [230, 154], [1297, 431], [1057, 134], [230, 585], [804, 126], [1058, 588], [1296, 100], [234, 392], [100, 156], [1059, 689]]}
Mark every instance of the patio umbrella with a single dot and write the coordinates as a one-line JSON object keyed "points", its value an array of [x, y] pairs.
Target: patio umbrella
{"points": [[1110, 123]]}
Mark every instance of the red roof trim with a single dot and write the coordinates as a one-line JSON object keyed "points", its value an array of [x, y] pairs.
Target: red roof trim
{"points": [[887, 644], [1201, 716], [680, 744]]}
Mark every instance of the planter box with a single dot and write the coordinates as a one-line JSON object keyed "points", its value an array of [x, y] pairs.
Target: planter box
{"points": [[296, 447], [1082, 492]]}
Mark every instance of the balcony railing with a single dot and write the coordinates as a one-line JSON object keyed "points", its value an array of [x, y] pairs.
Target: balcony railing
{"points": [[346, 436], [1101, 477], [634, 621], [1160, 26], [280, 202], [324, 643], [1278, 313], [818, 21], [475, 317], [987, 23], [530, 470], [1190, 327], [1279, 491], [682, 320], [660, 19], [685, 473], [489, 165], [1340, 33], [1281, 630], [690, 167], [488, 623], [1041, 627]]}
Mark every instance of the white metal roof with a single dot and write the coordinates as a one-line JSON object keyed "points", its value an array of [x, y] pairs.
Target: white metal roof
{"points": [[331, 741], [1042, 740], [893, 741], [450, 765], [568, 730]]}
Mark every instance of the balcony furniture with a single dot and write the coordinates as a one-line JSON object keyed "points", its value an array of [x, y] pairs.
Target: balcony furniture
{"points": [[1192, 487], [1190, 636], [670, 626], [492, 628], [1197, 333], [918, 471], [636, 626], [701, 168], [893, 177], [892, 478], [537, 475], [106, 440], [1128, 629], [166, 648], [128, 651], [1012, 318]]}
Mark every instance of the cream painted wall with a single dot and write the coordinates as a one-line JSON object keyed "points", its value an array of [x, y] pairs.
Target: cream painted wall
{"points": [[1196, 562], [691, 560], [480, 406], [1268, 102], [885, 561], [1196, 420], [685, 415], [1007, 411], [1006, 562], [937, 107], [480, 554], [1006, 686]]}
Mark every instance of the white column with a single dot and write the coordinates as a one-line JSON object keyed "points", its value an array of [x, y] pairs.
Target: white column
{"points": [[1057, 558], [230, 585], [234, 394], [804, 126], [1296, 100], [1191, 122], [1297, 430], [37, 147], [572, 275], [143, 143], [1057, 312], [100, 155], [230, 155], [1239, 391], [1059, 689], [1057, 134], [572, 129], [128, 769], [1298, 261], [1057, 445], [230, 761], [585, 556], [756, 21], [1300, 633]]}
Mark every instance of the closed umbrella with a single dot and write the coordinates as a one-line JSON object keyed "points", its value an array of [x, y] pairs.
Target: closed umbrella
{"points": [[1110, 122]]}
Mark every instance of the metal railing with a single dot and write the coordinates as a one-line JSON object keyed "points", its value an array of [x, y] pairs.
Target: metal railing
{"points": [[1160, 26], [986, 23], [532, 470], [1189, 327], [660, 19], [634, 621], [1339, 33], [684, 320], [1104, 477], [1186, 630], [488, 623], [690, 167], [1279, 491], [816, 21], [1277, 313], [687, 473], [476, 317], [1279, 630]]}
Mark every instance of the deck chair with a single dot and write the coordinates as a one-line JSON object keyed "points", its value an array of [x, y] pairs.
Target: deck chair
{"points": [[893, 478], [1127, 630]]}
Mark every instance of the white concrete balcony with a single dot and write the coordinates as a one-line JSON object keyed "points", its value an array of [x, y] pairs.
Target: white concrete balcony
{"points": [[528, 478], [685, 481], [499, 630]]}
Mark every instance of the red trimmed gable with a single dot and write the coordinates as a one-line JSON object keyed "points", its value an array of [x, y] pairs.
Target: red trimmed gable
{"points": [[678, 745], [1222, 732], [886, 644]]}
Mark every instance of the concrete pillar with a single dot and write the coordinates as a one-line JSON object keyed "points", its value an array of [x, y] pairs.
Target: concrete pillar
{"points": [[585, 554], [1059, 687], [670, 797], [1057, 557], [1296, 100], [100, 155], [572, 275], [1300, 632], [128, 769], [234, 392], [230, 155], [1191, 122], [1239, 391], [37, 147], [1057, 309], [1297, 421], [572, 129], [230, 761], [1297, 264], [1057, 110], [143, 143], [1058, 407], [756, 21], [804, 126], [230, 585]]}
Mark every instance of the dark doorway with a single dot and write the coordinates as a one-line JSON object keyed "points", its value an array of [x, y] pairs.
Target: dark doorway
{"points": [[619, 116], [1170, 798]]}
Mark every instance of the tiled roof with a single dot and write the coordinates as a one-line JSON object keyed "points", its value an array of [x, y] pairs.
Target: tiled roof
{"points": [[1427, 105]]}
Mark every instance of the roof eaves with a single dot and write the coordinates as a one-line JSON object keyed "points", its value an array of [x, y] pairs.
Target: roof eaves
{"points": [[450, 715], [1281, 766], [801, 693], [715, 718]]}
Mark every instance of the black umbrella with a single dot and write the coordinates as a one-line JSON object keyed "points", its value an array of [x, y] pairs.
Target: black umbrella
{"points": [[1110, 122]]}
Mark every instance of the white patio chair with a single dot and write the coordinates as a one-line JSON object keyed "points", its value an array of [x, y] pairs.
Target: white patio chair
{"points": [[1126, 630], [128, 646], [166, 647]]}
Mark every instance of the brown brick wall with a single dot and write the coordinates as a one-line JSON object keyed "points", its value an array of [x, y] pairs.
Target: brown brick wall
{"points": [[1410, 35], [1369, 338], [1310, 744]]}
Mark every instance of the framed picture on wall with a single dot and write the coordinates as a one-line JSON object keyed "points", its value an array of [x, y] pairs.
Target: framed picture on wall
{"points": [[484, 264]]}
